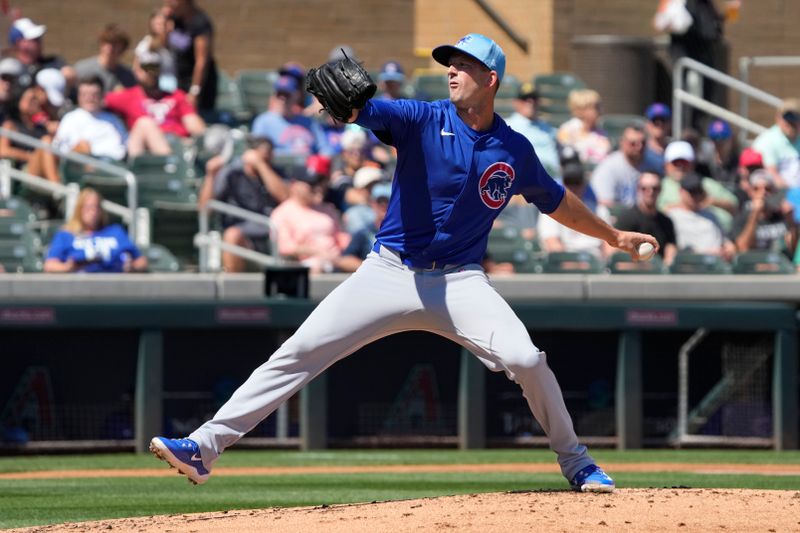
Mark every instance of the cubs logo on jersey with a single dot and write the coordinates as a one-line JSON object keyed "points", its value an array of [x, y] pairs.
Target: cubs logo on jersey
{"points": [[495, 183]]}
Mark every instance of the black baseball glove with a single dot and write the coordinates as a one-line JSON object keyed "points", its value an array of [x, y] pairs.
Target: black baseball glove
{"points": [[341, 86]]}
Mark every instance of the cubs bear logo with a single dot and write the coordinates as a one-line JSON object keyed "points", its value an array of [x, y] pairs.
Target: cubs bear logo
{"points": [[495, 183]]}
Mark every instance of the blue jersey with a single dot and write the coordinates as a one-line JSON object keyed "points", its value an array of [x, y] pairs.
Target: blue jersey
{"points": [[451, 181], [104, 250]]}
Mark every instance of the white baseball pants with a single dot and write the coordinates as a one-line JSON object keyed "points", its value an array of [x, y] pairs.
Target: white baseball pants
{"points": [[385, 297]]}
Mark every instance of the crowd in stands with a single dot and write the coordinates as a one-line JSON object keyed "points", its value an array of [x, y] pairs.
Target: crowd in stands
{"points": [[326, 185]]}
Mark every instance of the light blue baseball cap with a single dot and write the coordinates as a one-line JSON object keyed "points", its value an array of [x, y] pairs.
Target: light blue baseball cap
{"points": [[477, 46]]}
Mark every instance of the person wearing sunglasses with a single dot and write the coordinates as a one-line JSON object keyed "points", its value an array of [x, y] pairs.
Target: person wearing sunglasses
{"points": [[766, 221], [645, 216]]}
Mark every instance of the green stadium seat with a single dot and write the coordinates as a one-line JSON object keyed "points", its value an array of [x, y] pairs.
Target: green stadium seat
{"points": [[160, 259], [255, 88], [692, 263], [762, 262], [572, 263], [229, 98], [20, 246], [622, 263], [615, 124], [553, 92], [431, 87], [16, 208], [174, 225]]}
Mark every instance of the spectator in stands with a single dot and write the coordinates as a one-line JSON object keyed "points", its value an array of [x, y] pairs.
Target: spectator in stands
{"points": [[88, 243], [191, 40], [292, 133], [52, 86], [308, 229], [151, 113], [251, 183], [10, 71], [780, 146], [658, 129], [555, 237], [25, 39], [725, 162], [645, 216], [156, 41], [703, 150], [766, 221], [352, 157], [539, 133], [390, 81], [89, 129], [614, 179], [697, 229], [360, 214], [749, 162], [679, 158], [696, 31], [361, 242], [113, 42], [581, 131], [297, 71], [26, 117]]}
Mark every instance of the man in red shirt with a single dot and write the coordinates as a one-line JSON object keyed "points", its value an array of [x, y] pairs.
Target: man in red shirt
{"points": [[150, 113]]}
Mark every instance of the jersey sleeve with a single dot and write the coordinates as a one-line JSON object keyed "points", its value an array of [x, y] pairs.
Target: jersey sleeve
{"points": [[537, 187], [393, 116]]}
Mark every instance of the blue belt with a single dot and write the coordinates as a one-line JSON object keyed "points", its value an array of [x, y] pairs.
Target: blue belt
{"points": [[414, 263]]}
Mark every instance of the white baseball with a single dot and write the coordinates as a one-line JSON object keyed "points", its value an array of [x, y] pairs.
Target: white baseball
{"points": [[646, 250]]}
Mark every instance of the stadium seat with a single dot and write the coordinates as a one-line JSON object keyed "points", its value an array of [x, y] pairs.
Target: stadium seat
{"points": [[16, 208], [229, 100], [622, 263], [160, 259], [762, 262], [506, 93], [430, 87], [692, 263], [255, 88], [20, 246], [553, 92], [174, 226], [572, 263]]}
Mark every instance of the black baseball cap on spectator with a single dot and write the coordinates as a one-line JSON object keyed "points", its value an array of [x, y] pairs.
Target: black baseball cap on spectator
{"points": [[692, 183], [306, 175]]}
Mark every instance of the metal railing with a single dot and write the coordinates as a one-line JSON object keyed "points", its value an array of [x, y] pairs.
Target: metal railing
{"points": [[745, 63], [138, 219], [211, 245], [680, 96]]}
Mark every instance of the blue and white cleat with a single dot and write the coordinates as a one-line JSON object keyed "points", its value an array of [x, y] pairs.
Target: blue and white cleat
{"points": [[592, 479], [183, 454]]}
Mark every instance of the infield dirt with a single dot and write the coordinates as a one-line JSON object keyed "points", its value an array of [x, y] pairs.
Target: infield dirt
{"points": [[641, 510]]}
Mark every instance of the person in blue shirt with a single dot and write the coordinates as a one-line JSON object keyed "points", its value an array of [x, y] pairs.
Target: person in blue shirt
{"points": [[291, 133], [458, 165], [88, 243]]}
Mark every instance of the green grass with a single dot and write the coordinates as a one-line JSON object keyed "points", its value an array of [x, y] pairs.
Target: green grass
{"points": [[397, 457], [36, 502]]}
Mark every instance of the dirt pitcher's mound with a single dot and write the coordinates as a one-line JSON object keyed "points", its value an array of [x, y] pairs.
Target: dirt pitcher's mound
{"points": [[627, 510]]}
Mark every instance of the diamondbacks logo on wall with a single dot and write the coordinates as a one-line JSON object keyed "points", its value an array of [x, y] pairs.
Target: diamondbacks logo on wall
{"points": [[495, 183]]}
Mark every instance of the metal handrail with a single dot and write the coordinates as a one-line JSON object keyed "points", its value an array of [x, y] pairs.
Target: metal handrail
{"points": [[680, 96], [206, 243], [127, 175], [760, 61]]}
